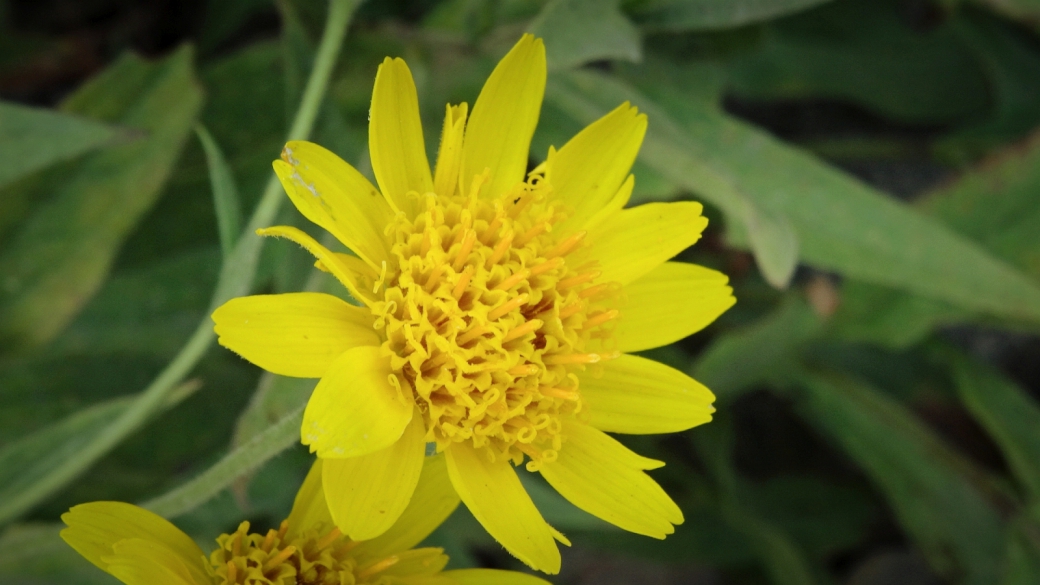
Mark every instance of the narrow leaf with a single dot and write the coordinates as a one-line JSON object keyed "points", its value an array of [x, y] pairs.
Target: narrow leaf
{"points": [[579, 31], [32, 139], [943, 501], [60, 257], [225, 193]]}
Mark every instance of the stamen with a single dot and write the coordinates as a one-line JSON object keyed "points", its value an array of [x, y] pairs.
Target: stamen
{"points": [[279, 558], [523, 370], [520, 331], [567, 246], [492, 228], [500, 250], [547, 266], [464, 279], [268, 540], [519, 203], [514, 303], [574, 358], [600, 318], [232, 572], [535, 231], [513, 280], [329, 538], [283, 528], [424, 248], [579, 279], [465, 249], [478, 182], [593, 291], [571, 395], [470, 335], [464, 224], [378, 567], [434, 279], [571, 309]]}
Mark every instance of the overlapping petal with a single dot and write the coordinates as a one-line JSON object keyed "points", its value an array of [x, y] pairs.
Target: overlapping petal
{"points": [[449, 156], [395, 137], [310, 507], [293, 334], [635, 395], [588, 171], [367, 494], [497, 499], [499, 131], [356, 409], [632, 242], [602, 477], [111, 534], [349, 275], [433, 500], [334, 195], [671, 302]]}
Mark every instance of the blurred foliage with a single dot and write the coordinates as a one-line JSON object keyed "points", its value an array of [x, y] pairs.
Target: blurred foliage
{"points": [[871, 169]]}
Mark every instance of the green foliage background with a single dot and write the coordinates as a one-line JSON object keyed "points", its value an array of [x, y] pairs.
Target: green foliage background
{"points": [[871, 169]]}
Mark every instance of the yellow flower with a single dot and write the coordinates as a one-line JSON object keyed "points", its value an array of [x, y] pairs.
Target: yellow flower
{"points": [[496, 309], [140, 548]]}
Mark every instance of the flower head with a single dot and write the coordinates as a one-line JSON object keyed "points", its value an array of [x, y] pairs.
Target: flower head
{"points": [[139, 547], [496, 307]]}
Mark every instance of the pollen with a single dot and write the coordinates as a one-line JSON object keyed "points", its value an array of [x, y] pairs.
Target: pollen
{"points": [[487, 321], [314, 557]]}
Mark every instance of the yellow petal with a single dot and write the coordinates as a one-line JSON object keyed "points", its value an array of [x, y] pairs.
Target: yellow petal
{"points": [[634, 241], [395, 137], [367, 494], [492, 577], [334, 195], [669, 303], [616, 203], [349, 275], [356, 408], [587, 172], [498, 135], [310, 510], [416, 562], [432, 502], [497, 499], [94, 529], [638, 396], [602, 477], [143, 562], [449, 157], [293, 334]]}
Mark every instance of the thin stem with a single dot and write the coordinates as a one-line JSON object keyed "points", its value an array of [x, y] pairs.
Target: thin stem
{"points": [[236, 277]]}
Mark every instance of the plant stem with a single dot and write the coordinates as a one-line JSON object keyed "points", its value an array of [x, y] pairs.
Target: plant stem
{"points": [[236, 277]]}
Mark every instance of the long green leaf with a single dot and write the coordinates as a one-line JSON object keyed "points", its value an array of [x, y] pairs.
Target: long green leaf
{"points": [[1008, 414], [679, 15], [32, 139], [580, 31], [945, 504], [225, 193], [244, 459], [841, 224], [24, 462], [61, 255]]}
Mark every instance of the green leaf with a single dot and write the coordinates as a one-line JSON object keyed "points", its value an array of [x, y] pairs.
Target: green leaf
{"points": [[1022, 562], [240, 461], [60, 257], [680, 15], [34, 554], [580, 31], [1008, 414], [24, 461], [867, 52], [994, 204], [762, 352], [841, 224], [32, 139], [225, 193], [943, 502]]}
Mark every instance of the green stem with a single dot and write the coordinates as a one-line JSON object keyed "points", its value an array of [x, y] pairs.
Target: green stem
{"points": [[236, 277]]}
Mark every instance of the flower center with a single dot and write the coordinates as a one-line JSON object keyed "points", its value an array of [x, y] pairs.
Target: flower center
{"points": [[487, 321], [311, 558]]}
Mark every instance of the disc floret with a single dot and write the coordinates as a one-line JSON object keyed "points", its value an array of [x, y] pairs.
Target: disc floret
{"points": [[486, 320]]}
